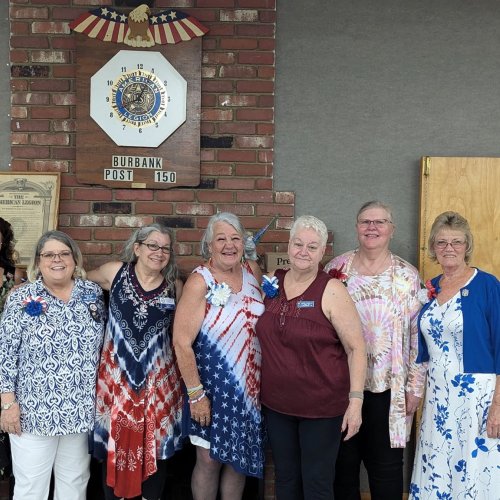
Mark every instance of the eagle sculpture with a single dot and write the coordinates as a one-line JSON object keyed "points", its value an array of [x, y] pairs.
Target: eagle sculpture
{"points": [[140, 28]]}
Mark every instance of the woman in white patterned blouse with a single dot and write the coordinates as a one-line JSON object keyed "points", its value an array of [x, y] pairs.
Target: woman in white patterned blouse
{"points": [[50, 338]]}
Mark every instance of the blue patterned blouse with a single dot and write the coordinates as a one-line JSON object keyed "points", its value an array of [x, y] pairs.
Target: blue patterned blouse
{"points": [[49, 351]]}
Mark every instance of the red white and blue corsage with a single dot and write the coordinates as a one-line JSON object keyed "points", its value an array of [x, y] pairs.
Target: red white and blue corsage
{"points": [[339, 274], [34, 306], [428, 293], [218, 294], [270, 286]]}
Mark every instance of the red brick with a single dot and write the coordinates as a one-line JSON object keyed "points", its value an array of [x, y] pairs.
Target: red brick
{"points": [[188, 235], [254, 57], [208, 44], [267, 16], [238, 100], [265, 129], [18, 112], [218, 58], [29, 125], [64, 99], [174, 195], [96, 248], [50, 166], [64, 153], [79, 234], [239, 15], [64, 220], [266, 101], [19, 28], [59, 139], [216, 86], [207, 155], [153, 207], [62, 42], [19, 56], [235, 155], [238, 72], [235, 184], [265, 156], [19, 138], [214, 3], [50, 112], [216, 169], [255, 142], [118, 234], [29, 13], [220, 29], [194, 209], [64, 71], [29, 42], [64, 125], [262, 4], [264, 184], [212, 196], [237, 209], [255, 86], [50, 27], [259, 30], [208, 100], [30, 98], [175, 3], [19, 165], [217, 114], [50, 85], [251, 170], [206, 16], [50, 56], [254, 114], [266, 72], [207, 128], [236, 128], [284, 197], [131, 221], [183, 249], [30, 152], [93, 220], [92, 194], [238, 43], [209, 71], [267, 44], [68, 14], [69, 180], [254, 197], [133, 194], [74, 207], [17, 85], [282, 210]]}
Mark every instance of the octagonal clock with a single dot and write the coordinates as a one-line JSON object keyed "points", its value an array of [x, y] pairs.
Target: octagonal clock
{"points": [[138, 98]]}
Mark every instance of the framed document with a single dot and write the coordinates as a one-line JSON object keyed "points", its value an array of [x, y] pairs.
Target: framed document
{"points": [[30, 202]]}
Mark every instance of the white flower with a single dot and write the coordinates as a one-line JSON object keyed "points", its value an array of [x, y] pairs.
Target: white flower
{"points": [[218, 294], [423, 295]]}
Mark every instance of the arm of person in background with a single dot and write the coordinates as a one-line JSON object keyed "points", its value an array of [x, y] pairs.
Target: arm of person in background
{"points": [[341, 311], [179, 286], [10, 343], [256, 270], [188, 319], [105, 274], [414, 389], [493, 315]]}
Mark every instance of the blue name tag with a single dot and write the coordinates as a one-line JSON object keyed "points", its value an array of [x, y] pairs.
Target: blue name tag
{"points": [[166, 303], [305, 303], [89, 297]]}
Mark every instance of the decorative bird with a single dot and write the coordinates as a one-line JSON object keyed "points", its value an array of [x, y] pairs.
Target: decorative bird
{"points": [[138, 23]]}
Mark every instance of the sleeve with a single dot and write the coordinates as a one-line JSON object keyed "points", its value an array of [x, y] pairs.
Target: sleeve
{"points": [[10, 343], [416, 371], [493, 318], [336, 262]]}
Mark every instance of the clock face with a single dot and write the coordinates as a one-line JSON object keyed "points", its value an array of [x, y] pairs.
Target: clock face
{"points": [[138, 98]]}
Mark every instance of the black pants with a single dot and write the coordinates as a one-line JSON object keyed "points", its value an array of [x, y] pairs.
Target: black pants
{"points": [[152, 488], [304, 452], [372, 447]]}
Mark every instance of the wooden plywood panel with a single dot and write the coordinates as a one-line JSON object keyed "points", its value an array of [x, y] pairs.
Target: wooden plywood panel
{"points": [[469, 186]]}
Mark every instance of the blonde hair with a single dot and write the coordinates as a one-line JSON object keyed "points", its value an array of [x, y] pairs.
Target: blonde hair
{"points": [[310, 222]]}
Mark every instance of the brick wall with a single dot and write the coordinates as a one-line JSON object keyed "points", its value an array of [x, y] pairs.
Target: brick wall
{"points": [[237, 128]]}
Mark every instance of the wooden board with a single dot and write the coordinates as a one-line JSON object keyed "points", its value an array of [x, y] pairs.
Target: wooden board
{"points": [[94, 149]]}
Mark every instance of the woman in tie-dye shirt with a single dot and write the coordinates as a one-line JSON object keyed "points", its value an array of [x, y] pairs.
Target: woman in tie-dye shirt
{"points": [[385, 289]]}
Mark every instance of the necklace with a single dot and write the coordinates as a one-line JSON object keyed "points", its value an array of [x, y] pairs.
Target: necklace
{"points": [[366, 270]]}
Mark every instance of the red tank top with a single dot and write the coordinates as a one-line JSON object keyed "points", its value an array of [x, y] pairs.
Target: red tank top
{"points": [[304, 366]]}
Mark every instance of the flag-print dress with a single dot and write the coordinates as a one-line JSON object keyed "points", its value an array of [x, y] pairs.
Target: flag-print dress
{"points": [[228, 358], [139, 395]]}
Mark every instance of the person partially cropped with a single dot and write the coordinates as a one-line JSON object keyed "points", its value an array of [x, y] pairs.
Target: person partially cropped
{"points": [[51, 334], [313, 367], [219, 359], [139, 398], [458, 446], [385, 289]]}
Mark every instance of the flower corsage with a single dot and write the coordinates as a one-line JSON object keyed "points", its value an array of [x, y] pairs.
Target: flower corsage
{"points": [[34, 306], [218, 294], [428, 293], [270, 286], [338, 274]]}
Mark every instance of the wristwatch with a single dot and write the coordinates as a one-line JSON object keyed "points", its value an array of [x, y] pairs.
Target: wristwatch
{"points": [[7, 406]]}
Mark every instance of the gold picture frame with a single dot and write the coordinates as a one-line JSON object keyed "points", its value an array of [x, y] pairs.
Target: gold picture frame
{"points": [[29, 201]]}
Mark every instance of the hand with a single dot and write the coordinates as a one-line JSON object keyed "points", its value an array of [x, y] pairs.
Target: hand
{"points": [[352, 418], [201, 411], [10, 421], [493, 422], [412, 403]]}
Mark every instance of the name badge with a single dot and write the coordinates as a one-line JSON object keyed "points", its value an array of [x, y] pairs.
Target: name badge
{"points": [[166, 303], [89, 297], [305, 303]]}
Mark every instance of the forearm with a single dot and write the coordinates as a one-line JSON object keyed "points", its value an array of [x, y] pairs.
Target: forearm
{"points": [[187, 365], [356, 360]]}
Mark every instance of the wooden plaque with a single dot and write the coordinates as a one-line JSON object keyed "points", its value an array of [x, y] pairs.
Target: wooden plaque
{"points": [[179, 153]]}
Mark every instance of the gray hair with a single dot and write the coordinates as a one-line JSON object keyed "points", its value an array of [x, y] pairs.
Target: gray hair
{"points": [[310, 222], [375, 204], [33, 271], [455, 222], [170, 271], [230, 219]]}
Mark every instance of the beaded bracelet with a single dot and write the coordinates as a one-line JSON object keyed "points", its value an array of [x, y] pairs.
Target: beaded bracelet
{"points": [[194, 390], [356, 394], [199, 398]]}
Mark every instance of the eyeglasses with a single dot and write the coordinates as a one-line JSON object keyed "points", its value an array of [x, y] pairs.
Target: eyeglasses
{"points": [[442, 244], [66, 254], [154, 247], [377, 222]]}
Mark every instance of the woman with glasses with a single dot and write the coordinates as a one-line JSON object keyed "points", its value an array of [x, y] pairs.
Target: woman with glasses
{"points": [[385, 289], [139, 398], [50, 338], [313, 367], [458, 448], [219, 358]]}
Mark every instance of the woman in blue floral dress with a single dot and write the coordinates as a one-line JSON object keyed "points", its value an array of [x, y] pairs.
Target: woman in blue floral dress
{"points": [[458, 449]]}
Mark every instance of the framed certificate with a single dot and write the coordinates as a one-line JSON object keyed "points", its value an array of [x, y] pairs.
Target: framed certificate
{"points": [[30, 202]]}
